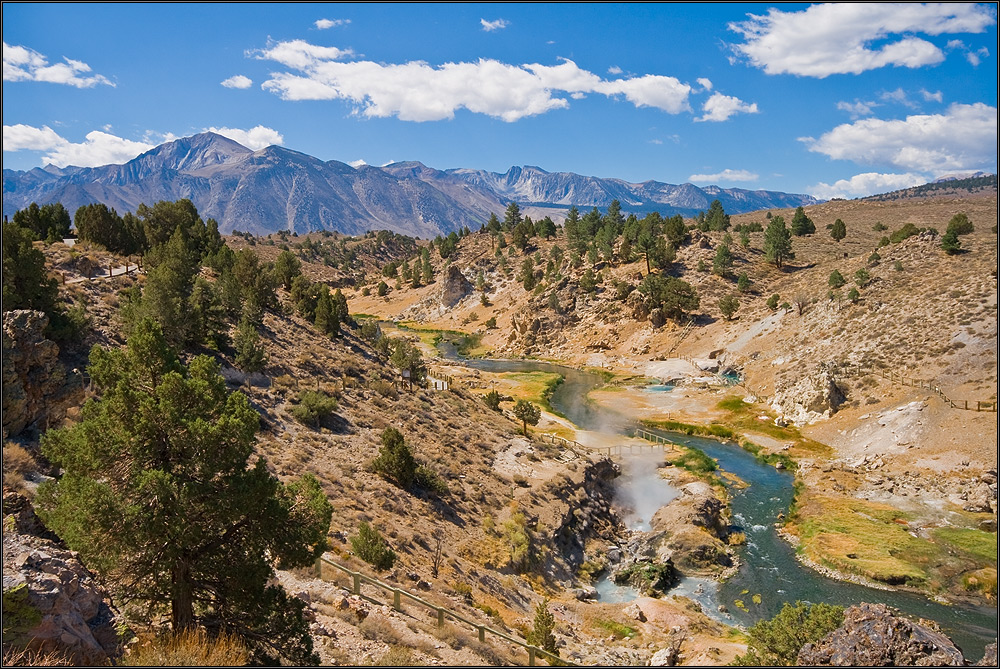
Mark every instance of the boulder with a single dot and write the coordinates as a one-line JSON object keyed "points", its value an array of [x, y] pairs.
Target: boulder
{"points": [[810, 399], [32, 374], [62, 607], [872, 635], [979, 499], [454, 287]]}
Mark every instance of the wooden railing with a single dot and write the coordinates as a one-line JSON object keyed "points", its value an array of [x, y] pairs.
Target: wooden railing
{"points": [[684, 334], [893, 377], [357, 579]]}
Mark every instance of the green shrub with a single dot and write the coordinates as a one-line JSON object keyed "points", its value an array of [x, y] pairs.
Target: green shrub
{"points": [[960, 224], [696, 462], [313, 406], [395, 462], [777, 642], [369, 545]]}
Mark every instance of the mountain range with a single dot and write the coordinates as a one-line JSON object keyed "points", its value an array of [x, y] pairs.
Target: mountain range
{"points": [[276, 188]]}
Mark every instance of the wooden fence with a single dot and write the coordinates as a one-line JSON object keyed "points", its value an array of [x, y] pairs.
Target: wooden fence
{"points": [[357, 579], [684, 334], [894, 377]]}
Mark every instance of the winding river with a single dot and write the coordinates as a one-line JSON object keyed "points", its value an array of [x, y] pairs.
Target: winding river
{"points": [[768, 569]]}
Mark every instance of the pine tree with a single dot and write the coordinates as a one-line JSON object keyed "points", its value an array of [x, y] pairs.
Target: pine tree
{"points": [[950, 242], [395, 461], [542, 627], [723, 261], [802, 224], [777, 242], [325, 319], [527, 413], [838, 231], [158, 494], [251, 356]]}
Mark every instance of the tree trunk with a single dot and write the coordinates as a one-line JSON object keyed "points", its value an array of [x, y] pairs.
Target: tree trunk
{"points": [[182, 598]]}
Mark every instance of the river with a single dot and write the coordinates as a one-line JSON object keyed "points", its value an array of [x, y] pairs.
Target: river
{"points": [[768, 565]]}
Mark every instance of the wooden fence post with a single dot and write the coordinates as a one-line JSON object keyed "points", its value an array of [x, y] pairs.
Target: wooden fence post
{"points": [[440, 617], [396, 603], [531, 656], [482, 633], [357, 583]]}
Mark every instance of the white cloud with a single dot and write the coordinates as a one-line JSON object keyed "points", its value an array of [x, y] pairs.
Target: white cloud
{"points": [[720, 107], [835, 38], [299, 54], [965, 137], [24, 64], [417, 91], [614, 69], [100, 148], [705, 83], [326, 24], [858, 108], [239, 81], [490, 26], [936, 96], [975, 57], [724, 175], [255, 138], [865, 184], [25, 137]]}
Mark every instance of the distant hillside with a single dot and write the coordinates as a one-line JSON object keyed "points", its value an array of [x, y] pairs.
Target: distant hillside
{"points": [[278, 189], [976, 184]]}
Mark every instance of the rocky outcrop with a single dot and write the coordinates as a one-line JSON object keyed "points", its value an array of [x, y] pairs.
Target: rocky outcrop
{"points": [[689, 529], [581, 510], [810, 399], [36, 388], [62, 605], [874, 636], [454, 287]]}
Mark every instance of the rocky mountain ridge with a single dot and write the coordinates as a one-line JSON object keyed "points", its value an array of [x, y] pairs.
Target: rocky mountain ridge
{"points": [[275, 188]]}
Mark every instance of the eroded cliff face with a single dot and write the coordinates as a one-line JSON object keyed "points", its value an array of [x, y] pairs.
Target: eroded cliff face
{"points": [[36, 388], [66, 610]]}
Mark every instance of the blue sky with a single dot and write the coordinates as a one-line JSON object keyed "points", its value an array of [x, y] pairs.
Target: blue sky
{"points": [[832, 100]]}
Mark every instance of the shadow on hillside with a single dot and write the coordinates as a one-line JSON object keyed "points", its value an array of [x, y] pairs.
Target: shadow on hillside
{"points": [[792, 269], [337, 424]]}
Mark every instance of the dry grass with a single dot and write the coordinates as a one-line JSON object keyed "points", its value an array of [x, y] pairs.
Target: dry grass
{"points": [[23, 657], [186, 649]]}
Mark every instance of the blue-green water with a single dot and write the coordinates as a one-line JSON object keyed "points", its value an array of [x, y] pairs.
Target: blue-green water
{"points": [[768, 564]]}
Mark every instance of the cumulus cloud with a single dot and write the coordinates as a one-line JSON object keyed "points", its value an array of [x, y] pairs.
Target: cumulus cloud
{"points": [[255, 138], [614, 69], [24, 64], [239, 81], [418, 91], [936, 96], [720, 107], [964, 137], [22, 137], [838, 38], [705, 83], [490, 26], [99, 148], [869, 183], [724, 175], [326, 24]]}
